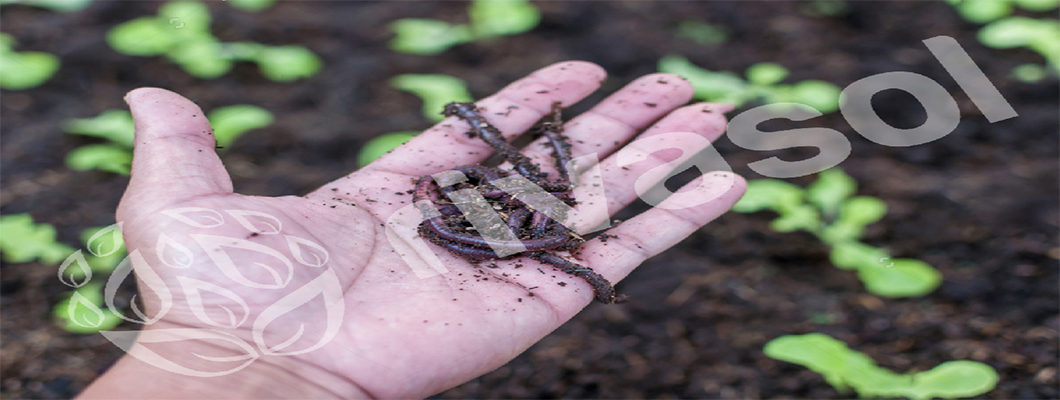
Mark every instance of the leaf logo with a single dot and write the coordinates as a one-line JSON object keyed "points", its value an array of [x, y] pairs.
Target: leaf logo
{"points": [[173, 254], [125, 340], [307, 252], [193, 289], [267, 224], [327, 287], [91, 319], [107, 241], [149, 282], [198, 217], [77, 259], [215, 247]]}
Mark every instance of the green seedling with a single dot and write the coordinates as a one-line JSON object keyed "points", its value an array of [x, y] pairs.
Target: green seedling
{"points": [[488, 19], [1004, 31], [1040, 35], [116, 127], [24, 70], [702, 32], [106, 249], [54, 5], [435, 90], [828, 210], [381, 145], [847, 369], [981, 12], [251, 5], [80, 312], [762, 84], [181, 32], [22, 240]]}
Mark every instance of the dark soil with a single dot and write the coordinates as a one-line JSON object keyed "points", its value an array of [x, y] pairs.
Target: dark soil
{"points": [[981, 204]]}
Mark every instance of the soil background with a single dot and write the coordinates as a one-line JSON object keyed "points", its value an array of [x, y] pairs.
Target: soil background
{"points": [[980, 204]]}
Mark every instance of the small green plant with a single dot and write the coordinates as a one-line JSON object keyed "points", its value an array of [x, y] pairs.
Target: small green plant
{"points": [[116, 126], [762, 83], [181, 32], [381, 145], [22, 240], [1040, 35], [251, 5], [1004, 31], [54, 5], [702, 32], [847, 369], [488, 19], [106, 249], [981, 12], [79, 311], [24, 70], [435, 90], [827, 210]]}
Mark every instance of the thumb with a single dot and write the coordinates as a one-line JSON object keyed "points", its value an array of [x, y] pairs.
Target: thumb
{"points": [[173, 152]]}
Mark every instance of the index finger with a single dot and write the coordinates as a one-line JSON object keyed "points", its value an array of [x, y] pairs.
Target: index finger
{"points": [[513, 110]]}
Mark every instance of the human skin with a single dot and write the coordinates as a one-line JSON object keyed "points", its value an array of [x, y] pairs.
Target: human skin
{"points": [[401, 336]]}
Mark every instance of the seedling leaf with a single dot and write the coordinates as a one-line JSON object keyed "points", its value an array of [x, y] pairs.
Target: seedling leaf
{"points": [[766, 74], [901, 277], [288, 63], [830, 189], [841, 231], [229, 123], [202, 58], [251, 5], [435, 90], [104, 157], [719, 87], [803, 217], [81, 313], [114, 125], [953, 379], [381, 145], [54, 5], [426, 36], [1029, 73], [820, 95], [862, 211], [772, 194], [852, 255], [190, 15], [820, 353], [844, 368], [144, 36], [1017, 31], [981, 12], [490, 18], [1037, 5], [26, 69], [23, 241]]}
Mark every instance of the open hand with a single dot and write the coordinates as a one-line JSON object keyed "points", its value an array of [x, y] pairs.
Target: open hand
{"points": [[380, 330]]}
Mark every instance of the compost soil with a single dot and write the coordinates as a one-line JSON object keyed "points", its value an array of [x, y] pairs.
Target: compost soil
{"points": [[980, 204]]}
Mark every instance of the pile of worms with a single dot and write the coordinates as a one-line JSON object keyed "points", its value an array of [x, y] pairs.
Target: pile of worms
{"points": [[539, 235]]}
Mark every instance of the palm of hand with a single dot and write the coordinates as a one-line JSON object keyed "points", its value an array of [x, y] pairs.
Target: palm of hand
{"points": [[394, 325]]}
